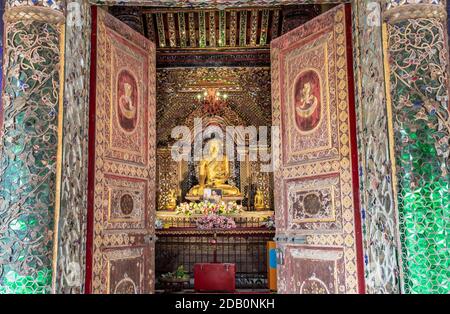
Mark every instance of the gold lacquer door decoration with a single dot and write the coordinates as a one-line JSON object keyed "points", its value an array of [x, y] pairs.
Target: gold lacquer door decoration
{"points": [[122, 206], [315, 185]]}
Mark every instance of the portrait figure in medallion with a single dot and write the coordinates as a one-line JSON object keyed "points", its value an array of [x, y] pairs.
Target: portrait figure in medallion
{"points": [[127, 101], [307, 102]]}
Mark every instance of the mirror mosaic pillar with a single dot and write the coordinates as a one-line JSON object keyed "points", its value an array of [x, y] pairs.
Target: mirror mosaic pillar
{"points": [[416, 67], [30, 146]]}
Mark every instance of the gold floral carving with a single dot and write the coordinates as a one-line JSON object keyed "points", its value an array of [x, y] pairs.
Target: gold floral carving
{"points": [[212, 29], [192, 35], [171, 24], [253, 27], [233, 28], [182, 28]]}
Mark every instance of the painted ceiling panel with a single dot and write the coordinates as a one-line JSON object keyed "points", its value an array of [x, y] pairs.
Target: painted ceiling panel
{"points": [[212, 29], [217, 29], [208, 4]]}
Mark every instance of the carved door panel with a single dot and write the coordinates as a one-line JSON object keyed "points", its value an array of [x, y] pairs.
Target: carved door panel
{"points": [[316, 181], [121, 204]]}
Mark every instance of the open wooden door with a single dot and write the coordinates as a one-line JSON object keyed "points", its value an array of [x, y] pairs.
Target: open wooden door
{"points": [[316, 183], [121, 195]]}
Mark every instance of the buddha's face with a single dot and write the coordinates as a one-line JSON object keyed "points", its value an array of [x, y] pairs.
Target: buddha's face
{"points": [[214, 148]]}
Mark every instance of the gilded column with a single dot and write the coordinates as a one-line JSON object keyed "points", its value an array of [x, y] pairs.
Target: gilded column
{"points": [[30, 145], [416, 69]]}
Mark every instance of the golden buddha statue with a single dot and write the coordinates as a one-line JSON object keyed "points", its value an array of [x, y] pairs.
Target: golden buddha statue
{"points": [[259, 200], [214, 171]]}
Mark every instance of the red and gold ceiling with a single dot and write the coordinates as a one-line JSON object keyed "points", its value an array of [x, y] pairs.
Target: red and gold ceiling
{"points": [[196, 37], [200, 29]]}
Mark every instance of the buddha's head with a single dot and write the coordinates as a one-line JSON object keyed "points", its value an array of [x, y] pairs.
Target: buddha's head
{"points": [[214, 148]]}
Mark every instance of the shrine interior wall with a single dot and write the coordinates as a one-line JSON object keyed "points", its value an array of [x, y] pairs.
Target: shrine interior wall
{"points": [[248, 104]]}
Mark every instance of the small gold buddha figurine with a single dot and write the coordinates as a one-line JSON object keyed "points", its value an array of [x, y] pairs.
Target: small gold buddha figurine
{"points": [[214, 171], [172, 200], [259, 200]]}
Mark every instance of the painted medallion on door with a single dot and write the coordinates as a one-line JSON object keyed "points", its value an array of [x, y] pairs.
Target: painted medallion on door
{"points": [[127, 111], [307, 97], [127, 94]]}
